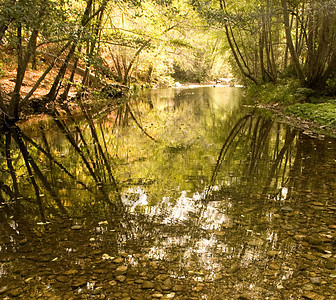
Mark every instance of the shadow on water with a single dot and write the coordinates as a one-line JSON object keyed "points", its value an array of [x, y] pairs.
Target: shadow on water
{"points": [[179, 194]]}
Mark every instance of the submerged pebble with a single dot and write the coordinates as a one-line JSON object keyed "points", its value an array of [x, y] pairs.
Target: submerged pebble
{"points": [[76, 227], [147, 285]]}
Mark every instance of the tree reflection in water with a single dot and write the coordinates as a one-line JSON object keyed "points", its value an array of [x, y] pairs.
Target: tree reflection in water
{"points": [[47, 170], [194, 188], [267, 158]]}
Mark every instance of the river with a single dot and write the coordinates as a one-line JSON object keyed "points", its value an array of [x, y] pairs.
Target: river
{"points": [[175, 194]]}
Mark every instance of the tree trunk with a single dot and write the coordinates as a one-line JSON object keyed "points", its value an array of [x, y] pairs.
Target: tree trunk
{"points": [[295, 58], [235, 49]]}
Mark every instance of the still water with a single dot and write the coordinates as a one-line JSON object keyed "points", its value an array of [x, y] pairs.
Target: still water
{"points": [[176, 194]]}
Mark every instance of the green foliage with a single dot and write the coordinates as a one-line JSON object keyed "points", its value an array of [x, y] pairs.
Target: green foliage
{"points": [[205, 59], [285, 93], [252, 31], [50, 18], [197, 70], [271, 40], [145, 42], [330, 88], [321, 113]]}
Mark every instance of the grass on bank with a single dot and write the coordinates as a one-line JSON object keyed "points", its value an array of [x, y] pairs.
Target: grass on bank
{"points": [[320, 113], [300, 102]]}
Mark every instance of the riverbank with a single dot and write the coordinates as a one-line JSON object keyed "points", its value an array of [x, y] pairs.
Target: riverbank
{"points": [[300, 107], [297, 106]]}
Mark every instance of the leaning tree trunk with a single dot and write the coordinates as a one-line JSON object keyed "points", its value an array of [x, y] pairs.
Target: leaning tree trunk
{"points": [[235, 50], [295, 58]]}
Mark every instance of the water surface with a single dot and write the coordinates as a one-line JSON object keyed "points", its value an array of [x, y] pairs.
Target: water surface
{"points": [[178, 194]]}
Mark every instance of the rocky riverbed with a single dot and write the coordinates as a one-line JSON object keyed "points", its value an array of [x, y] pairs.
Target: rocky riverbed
{"points": [[241, 260]]}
